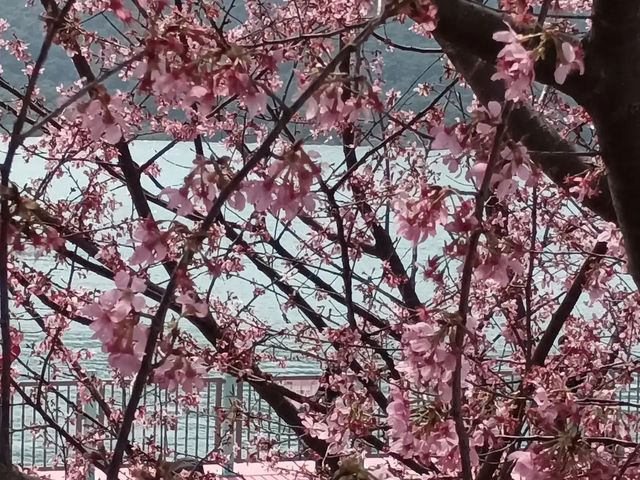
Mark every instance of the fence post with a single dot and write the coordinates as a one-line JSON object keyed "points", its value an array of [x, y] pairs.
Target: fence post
{"points": [[230, 396], [90, 409]]}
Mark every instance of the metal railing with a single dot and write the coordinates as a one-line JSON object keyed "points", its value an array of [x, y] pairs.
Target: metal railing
{"points": [[196, 431], [206, 427]]}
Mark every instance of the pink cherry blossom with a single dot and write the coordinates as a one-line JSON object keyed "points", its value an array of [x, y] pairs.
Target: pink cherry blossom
{"points": [[123, 338], [525, 468], [585, 186], [487, 118], [327, 106], [315, 427], [205, 182], [497, 268], [288, 184], [102, 117], [445, 138], [126, 347], [119, 9], [190, 305], [399, 419], [570, 58], [179, 371], [128, 287], [418, 219], [178, 200], [236, 82], [152, 243], [515, 65], [117, 323], [50, 242], [427, 360], [427, 15]]}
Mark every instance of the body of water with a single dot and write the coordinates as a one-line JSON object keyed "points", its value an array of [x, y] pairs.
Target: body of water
{"points": [[176, 164]]}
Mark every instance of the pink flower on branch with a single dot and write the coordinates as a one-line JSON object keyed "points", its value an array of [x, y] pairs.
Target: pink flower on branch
{"points": [[498, 268], [127, 288], [570, 58], [192, 307], [49, 242], [152, 243], [399, 420], [326, 107], [116, 322], [349, 417], [514, 171], [126, 347], [427, 360], [179, 371], [419, 218], [178, 200], [103, 117], [445, 138], [122, 338], [117, 6], [424, 13], [287, 185], [236, 82], [336, 105], [525, 467], [189, 81], [205, 182], [516, 65]]}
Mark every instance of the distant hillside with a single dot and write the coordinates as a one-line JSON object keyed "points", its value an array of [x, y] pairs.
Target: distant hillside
{"points": [[402, 69]]}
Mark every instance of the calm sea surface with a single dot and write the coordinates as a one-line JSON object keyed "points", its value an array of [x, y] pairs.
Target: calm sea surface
{"points": [[268, 308], [176, 164]]}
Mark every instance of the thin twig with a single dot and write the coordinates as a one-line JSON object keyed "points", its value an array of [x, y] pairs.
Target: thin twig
{"points": [[5, 214], [79, 94], [529, 285], [465, 290], [544, 11], [212, 216]]}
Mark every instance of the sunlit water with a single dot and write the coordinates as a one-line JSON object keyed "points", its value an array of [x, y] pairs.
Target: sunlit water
{"points": [[177, 163]]}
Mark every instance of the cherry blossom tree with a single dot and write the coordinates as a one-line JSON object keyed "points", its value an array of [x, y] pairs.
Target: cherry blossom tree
{"points": [[460, 259]]}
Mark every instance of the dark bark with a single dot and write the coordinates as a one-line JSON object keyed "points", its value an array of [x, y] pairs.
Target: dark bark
{"points": [[609, 91], [566, 306], [5, 215], [613, 55], [557, 157], [470, 26]]}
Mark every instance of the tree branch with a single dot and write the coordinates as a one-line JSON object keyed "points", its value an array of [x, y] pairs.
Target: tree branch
{"points": [[557, 157], [465, 291], [566, 306], [470, 26], [613, 53], [5, 214]]}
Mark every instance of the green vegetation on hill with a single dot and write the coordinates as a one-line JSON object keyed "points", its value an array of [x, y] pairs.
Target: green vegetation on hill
{"points": [[402, 69]]}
